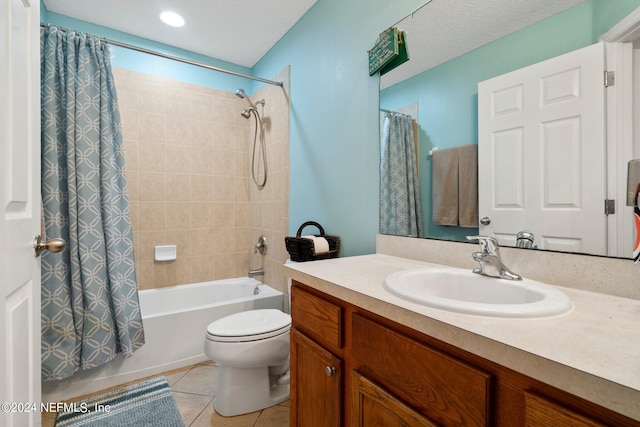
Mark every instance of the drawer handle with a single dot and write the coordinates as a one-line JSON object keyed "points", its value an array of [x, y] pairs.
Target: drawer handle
{"points": [[329, 370]]}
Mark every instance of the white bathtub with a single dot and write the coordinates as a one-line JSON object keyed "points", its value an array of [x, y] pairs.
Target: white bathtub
{"points": [[175, 321]]}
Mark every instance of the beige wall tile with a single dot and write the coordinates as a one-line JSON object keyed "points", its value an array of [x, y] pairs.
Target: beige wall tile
{"points": [[202, 243], [201, 160], [178, 101], [152, 185], [201, 188], [178, 187], [224, 137], [201, 132], [223, 163], [201, 269], [151, 127], [177, 159], [178, 130], [152, 98], [182, 240], [151, 216], [224, 189], [177, 215], [130, 124], [144, 274], [201, 215], [201, 107], [151, 157], [187, 152], [224, 266], [225, 110]]}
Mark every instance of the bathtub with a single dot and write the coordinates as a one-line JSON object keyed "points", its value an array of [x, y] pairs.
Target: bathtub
{"points": [[175, 321]]}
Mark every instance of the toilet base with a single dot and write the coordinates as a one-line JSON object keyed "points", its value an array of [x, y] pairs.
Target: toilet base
{"points": [[244, 390]]}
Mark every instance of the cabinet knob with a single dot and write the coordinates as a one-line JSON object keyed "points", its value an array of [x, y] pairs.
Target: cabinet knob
{"points": [[329, 370]]}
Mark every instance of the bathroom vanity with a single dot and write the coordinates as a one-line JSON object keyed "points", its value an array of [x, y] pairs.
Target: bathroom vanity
{"points": [[363, 357]]}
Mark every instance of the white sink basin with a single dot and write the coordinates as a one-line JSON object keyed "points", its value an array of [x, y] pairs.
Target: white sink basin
{"points": [[462, 291]]}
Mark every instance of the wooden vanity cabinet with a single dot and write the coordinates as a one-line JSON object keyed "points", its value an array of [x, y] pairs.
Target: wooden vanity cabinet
{"points": [[350, 367]]}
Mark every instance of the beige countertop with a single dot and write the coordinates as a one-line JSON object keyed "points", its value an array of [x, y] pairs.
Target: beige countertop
{"points": [[592, 352]]}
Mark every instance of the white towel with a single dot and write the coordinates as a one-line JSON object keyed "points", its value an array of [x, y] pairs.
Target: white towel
{"points": [[320, 244]]}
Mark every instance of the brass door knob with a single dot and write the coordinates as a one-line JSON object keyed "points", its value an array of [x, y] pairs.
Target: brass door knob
{"points": [[54, 245]]}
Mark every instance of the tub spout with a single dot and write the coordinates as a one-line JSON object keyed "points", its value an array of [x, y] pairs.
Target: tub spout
{"points": [[256, 272]]}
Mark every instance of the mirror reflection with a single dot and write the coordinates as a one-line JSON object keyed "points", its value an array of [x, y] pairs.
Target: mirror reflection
{"points": [[453, 46]]}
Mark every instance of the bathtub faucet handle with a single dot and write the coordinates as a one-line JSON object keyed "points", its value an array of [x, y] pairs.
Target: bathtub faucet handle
{"points": [[261, 246]]}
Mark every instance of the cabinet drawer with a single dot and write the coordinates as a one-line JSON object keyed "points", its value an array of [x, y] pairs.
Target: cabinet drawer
{"points": [[540, 412], [318, 318], [373, 406], [446, 390]]}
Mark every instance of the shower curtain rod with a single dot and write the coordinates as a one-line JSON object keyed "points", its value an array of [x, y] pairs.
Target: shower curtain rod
{"points": [[174, 58], [394, 112]]}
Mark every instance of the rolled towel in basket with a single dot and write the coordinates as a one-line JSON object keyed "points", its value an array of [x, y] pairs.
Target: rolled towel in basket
{"points": [[320, 244]]}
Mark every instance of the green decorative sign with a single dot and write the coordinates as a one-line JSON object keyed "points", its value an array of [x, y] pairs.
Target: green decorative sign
{"points": [[389, 52], [401, 58], [385, 49]]}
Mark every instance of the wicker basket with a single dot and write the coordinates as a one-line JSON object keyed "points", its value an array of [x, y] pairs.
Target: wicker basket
{"points": [[301, 249]]}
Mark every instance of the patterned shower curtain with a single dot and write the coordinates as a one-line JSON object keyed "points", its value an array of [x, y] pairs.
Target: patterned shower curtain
{"points": [[90, 309], [400, 207]]}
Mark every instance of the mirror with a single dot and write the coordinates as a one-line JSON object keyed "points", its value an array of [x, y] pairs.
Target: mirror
{"points": [[455, 44]]}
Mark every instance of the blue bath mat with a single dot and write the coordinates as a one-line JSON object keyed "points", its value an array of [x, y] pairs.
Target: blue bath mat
{"points": [[148, 403]]}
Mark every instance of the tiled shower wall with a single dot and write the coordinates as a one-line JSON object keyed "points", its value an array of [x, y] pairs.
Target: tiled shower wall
{"points": [[270, 206], [187, 152]]}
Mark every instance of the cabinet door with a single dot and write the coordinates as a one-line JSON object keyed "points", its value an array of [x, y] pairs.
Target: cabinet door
{"points": [[373, 406], [316, 380]]}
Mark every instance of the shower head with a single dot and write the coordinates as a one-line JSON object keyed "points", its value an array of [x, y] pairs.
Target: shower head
{"points": [[240, 94], [246, 113]]}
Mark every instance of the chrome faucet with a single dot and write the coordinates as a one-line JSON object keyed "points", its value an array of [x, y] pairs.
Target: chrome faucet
{"points": [[256, 272], [489, 259]]}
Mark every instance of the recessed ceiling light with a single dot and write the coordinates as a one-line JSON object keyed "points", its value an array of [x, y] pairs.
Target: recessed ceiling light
{"points": [[172, 18]]}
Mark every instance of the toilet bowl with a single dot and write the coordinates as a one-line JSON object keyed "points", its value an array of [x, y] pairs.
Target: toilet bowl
{"points": [[252, 350]]}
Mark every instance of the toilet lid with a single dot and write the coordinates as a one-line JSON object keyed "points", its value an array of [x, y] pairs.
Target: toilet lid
{"points": [[249, 325]]}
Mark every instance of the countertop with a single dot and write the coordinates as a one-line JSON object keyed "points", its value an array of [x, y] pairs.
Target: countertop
{"points": [[592, 352]]}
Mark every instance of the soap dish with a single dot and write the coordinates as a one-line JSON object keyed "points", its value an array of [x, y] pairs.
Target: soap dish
{"points": [[165, 253]]}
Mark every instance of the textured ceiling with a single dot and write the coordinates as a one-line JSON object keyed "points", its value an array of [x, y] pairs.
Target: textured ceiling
{"points": [[237, 31], [445, 29]]}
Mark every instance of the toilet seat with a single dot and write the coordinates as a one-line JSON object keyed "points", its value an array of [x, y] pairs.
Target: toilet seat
{"points": [[252, 325]]}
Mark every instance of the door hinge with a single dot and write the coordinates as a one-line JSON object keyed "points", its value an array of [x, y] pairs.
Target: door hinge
{"points": [[609, 78], [609, 206]]}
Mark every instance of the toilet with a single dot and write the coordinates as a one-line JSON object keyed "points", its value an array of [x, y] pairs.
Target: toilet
{"points": [[252, 350]]}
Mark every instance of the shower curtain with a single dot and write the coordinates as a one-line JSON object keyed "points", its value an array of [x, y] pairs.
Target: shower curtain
{"points": [[400, 207], [90, 309]]}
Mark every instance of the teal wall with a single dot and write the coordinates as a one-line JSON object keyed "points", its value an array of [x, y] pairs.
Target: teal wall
{"points": [[448, 94], [334, 148]]}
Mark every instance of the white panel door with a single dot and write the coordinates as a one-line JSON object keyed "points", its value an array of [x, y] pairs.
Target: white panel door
{"points": [[542, 155], [19, 210]]}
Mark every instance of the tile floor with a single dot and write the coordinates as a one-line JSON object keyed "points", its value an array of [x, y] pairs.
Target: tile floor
{"points": [[193, 388]]}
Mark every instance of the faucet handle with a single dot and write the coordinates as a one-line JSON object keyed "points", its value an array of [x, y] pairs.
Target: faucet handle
{"points": [[488, 244]]}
